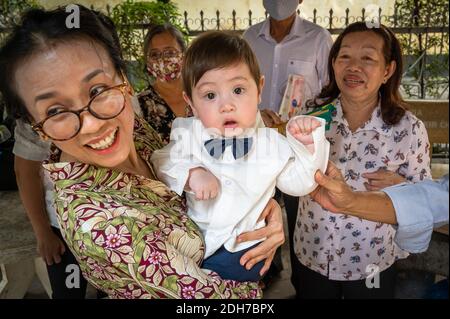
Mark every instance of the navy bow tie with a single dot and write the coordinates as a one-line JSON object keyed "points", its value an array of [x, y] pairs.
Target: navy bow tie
{"points": [[241, 146]]}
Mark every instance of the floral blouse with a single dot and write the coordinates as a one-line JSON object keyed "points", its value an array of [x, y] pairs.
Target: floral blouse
{"points": [[131, 235], [158, 113], [341, 246]]}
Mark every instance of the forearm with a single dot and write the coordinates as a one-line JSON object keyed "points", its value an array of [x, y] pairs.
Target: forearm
{"points": [[374, 206], [32, 193]]}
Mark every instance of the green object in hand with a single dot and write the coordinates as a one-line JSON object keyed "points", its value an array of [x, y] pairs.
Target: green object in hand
{"points": [[325, 112]]}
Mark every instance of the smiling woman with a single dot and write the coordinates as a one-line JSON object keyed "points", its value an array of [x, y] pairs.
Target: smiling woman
{"points": [[128, 231], [375, 142]]}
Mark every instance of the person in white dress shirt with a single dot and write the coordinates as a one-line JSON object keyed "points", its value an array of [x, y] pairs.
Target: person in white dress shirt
{"points": [[286, 44], [229, 168]]}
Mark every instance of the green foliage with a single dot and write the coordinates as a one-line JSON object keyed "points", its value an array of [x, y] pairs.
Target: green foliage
{"points": [[428, 52], [131, 17], [10, 13], [422, 12]]}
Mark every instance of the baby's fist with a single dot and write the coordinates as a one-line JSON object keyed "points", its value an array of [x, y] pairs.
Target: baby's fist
{"points": [[203, 183], [301, 129]]}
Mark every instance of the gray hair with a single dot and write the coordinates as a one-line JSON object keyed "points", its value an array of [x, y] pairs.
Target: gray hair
{"points": [[161, 28]]}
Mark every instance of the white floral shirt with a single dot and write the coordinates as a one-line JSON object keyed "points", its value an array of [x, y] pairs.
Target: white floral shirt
{"points": [[341, 246]]}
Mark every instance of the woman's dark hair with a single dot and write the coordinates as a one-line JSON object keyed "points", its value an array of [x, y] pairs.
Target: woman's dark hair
{"points": [[161, 28], [214, 50], [392, 105], [40, 29]]}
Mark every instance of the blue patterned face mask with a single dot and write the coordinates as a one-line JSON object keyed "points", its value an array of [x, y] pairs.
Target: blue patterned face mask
{"points": [[280, 9]]}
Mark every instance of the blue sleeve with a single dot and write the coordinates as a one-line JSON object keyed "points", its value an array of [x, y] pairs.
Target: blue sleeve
{"points": [[419, 208]]}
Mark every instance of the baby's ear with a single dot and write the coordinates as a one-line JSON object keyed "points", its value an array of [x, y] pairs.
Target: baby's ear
{"points": [[189, 102], [260, 87], [262, 80]]}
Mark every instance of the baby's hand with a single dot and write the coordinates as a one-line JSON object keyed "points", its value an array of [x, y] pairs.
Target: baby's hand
{"points": [[301, 129], [203, 183]]}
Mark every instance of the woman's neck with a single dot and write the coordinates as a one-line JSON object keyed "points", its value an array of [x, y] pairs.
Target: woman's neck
{"points": [[172, 93], [134, 164], [358, 112], [169, 87]]}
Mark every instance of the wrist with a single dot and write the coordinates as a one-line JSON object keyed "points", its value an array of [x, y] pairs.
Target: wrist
{"points": [[193, 171], [192, 174], [355, 199], [42, 231]]}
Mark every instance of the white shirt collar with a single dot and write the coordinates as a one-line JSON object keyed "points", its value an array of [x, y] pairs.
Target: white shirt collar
{"points": [[297, 29], [375, 123]]}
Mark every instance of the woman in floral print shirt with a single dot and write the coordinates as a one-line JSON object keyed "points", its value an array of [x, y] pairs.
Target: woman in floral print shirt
{"points": [[128, 231], [162, 101], [375, 142]]}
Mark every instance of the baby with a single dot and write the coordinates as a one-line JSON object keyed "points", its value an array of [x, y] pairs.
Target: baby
{"points": [[223, 158]]}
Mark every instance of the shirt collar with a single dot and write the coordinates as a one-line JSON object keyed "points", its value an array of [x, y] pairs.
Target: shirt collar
{"points": [[297, 29], [375, 123]]}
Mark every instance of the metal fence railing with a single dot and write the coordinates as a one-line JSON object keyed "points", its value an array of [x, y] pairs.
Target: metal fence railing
{"points": [[425, 41], [424, 37]]}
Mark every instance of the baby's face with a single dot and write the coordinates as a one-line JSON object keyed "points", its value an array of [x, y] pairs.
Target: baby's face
{"points": [[226, 99]]}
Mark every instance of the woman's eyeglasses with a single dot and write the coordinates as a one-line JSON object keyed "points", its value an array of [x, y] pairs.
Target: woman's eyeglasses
{"points": [[64, 125]]}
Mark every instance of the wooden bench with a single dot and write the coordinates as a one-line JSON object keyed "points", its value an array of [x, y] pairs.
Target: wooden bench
{"points": [[434, 114]]}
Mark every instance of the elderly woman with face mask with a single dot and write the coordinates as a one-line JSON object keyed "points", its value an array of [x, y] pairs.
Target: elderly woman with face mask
{"points": [[162, 101], [129, 233]]}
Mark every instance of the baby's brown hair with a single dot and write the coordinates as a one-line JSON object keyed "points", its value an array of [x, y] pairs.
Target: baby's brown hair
{"points": [[215, 50]]}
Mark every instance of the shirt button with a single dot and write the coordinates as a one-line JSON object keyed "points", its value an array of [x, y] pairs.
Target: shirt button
{"points": [[228, 182]]}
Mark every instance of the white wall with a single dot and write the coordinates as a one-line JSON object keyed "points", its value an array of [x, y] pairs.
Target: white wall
{"points": [[49, 4], [193, 7]]}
